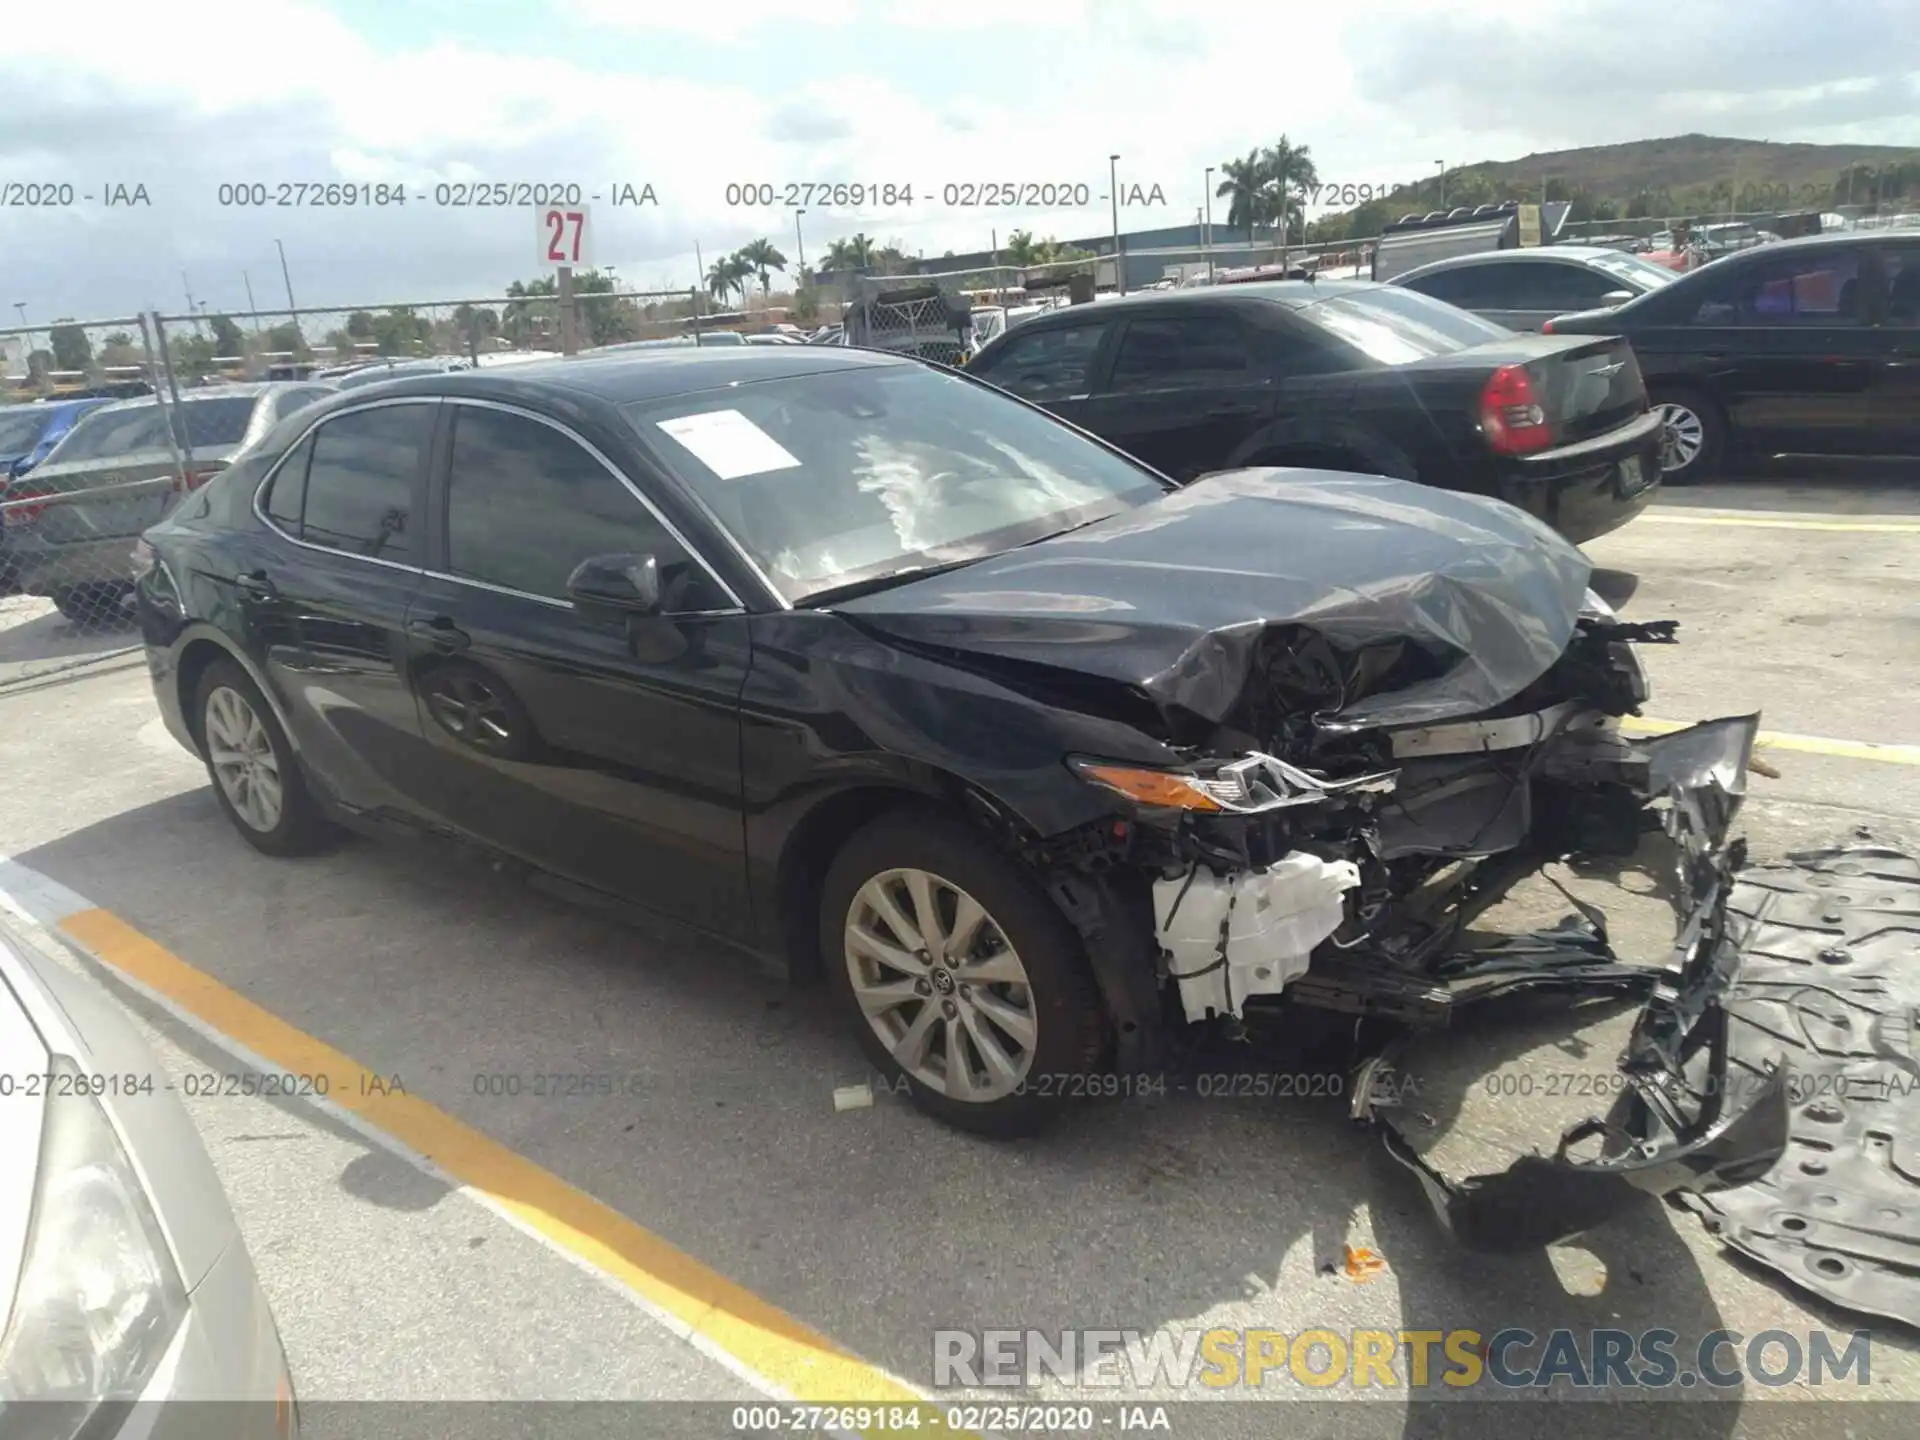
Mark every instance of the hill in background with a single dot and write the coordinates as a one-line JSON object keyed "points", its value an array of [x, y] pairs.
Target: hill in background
{"points": [[1681, 175]]}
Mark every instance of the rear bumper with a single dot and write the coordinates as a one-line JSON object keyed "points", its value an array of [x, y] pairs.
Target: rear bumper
{"points": [[1586, 490]]}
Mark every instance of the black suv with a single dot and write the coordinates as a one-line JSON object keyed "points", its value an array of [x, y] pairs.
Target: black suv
{"points": [[1348, 375]]}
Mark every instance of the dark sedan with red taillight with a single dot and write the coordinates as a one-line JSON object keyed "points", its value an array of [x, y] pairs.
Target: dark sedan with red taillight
{"points": [[1348, 375]]}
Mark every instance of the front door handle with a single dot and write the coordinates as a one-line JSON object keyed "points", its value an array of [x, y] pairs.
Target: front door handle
{"points": [[255, 585], [440, 632]]}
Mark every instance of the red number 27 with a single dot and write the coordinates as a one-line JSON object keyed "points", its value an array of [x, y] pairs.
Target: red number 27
{"points": [[558, 247]]}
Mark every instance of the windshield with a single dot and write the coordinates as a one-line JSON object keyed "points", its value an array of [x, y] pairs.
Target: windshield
{"points": [[20, 430], [854, 475], [1393, 326], [1633, 269]]}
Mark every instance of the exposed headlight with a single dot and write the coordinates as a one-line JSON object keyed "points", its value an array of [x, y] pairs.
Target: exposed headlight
{"points": [[99, 1298]]}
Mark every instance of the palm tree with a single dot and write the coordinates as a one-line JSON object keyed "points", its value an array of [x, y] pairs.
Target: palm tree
{"points": [[1243, 184], [763, 258], [1021, 249], [853, 253], [726, 275], [1288, 177]]}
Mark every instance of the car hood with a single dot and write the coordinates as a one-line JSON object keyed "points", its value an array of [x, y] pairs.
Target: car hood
{"points": [[1369, 601]]}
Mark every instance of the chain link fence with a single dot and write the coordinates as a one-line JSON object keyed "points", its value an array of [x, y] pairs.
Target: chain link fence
{"points": [[105, 425]]}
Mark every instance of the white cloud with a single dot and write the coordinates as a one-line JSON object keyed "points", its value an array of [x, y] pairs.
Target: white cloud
{"points": [[991, 90]]}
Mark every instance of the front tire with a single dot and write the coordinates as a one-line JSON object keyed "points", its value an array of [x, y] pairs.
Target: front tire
{"points": [[961, 979], [1693, 438], [256, 776]]}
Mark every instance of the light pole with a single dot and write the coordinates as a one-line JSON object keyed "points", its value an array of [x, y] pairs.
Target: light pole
{"points": [[247, 280], [799, 246], [1443, 183], [1113, 186], [1206, 223], [288, 278]]}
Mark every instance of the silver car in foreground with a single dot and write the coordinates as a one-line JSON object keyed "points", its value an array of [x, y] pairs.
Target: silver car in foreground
{"points": [[123, 1275]]}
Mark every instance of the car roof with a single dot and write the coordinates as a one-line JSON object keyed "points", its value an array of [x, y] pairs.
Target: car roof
{"points": [[1292, 294], [242, 389], [1579, 254], [624, 377]]}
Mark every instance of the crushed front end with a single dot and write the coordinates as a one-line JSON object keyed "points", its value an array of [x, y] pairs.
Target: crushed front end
{"points": [[1346, 866]]}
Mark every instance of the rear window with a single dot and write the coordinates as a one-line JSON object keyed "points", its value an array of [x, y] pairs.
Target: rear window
{"points": [[215, 422], [1392, 325], [21, 432], [109, 432]]}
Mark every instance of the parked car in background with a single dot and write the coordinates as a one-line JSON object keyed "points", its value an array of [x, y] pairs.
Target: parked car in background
{"points": [[774, 337], [1714, 241], [1523, 289], [827, 335], [29, 432], [125, 1277], [72, 522], [1805, 347], [1347, 375]]}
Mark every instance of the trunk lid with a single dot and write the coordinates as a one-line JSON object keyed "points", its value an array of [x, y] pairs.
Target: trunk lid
{"points": [[1588, 386], [111, 498]]}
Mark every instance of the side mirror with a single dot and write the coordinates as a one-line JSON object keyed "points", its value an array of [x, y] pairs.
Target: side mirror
{"points": [[629, 583], [1616, 297]]}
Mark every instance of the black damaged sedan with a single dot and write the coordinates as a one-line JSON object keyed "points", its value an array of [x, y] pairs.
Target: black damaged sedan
{"points": [[1040, 758]]}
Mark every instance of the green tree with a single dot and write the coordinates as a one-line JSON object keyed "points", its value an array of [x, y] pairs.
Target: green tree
{"points": [[1241, 187], [806, 303], [762, 258], [360, 325], [227, 339], [854, 252], [400, 331], [727, 275], [341, 343], [286, 338], [71, 348], [1021, 249]]}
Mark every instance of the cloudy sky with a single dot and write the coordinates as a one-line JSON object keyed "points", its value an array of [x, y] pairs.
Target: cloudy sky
{"points": [[184, 97]]}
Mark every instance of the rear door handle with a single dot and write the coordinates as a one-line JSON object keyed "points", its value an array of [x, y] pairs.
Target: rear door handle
{"points": [[439, 632], [255, 585]]}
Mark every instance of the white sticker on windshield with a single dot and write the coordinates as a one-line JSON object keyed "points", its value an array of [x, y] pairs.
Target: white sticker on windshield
{"points": [[729, 444]]}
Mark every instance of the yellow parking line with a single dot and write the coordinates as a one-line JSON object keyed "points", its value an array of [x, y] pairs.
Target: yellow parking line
{"points": [[1806, 744], [1782, 522], [772, 1344]]}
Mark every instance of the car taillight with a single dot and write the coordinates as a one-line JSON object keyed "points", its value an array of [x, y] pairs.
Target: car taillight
{"points": [[1510, 413], [1547, 328], [15, 509]]}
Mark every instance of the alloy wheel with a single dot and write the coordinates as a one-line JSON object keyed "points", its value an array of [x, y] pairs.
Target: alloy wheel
{"points": [[472, 710], [1683, 435], [244, 764], [941, 985]]}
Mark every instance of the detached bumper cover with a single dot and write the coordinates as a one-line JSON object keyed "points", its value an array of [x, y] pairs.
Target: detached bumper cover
{"points": [[1689, 1113]]}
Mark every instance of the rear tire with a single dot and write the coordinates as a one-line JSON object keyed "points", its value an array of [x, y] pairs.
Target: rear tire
{"points": [[93, 607], [1694, 439], [256, 775], [991, 1020]]}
